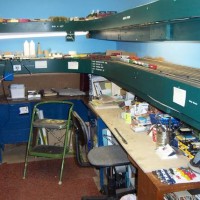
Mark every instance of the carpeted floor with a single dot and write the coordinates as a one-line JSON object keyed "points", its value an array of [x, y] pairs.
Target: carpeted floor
{"points": [[42, 178]]}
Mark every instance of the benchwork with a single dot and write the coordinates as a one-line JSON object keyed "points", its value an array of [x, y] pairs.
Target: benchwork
{"points": [[141, 152]]}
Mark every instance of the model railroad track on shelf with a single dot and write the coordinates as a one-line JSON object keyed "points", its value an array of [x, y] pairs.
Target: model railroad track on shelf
{"points": [[182, 73]]}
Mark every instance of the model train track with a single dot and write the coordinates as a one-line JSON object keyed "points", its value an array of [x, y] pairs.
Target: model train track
{"points": [[182, 73]]}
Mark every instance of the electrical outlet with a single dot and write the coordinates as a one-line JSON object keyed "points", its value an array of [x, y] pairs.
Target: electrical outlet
{"points": [[17, 68]]}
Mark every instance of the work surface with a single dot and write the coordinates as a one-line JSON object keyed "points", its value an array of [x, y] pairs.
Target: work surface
{"points": [[140, 146]]}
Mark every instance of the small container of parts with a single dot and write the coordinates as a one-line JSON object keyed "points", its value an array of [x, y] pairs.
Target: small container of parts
{"points": [[17, 91]]}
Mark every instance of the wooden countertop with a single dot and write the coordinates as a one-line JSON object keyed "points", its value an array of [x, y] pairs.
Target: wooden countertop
{"points": [[140, 146], [84, 98]]}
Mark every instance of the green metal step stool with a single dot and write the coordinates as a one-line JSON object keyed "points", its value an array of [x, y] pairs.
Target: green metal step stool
{"points": [[50, 118]]}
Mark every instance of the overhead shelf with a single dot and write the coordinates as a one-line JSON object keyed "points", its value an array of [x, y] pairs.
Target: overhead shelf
{"points": [[174, 20], [162, 31], [32, 27], [170, 20]]}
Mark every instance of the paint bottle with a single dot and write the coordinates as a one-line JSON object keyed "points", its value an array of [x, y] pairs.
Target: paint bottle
{"points": [[26, 49]]}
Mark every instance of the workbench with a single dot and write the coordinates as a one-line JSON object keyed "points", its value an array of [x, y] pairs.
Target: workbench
{"points": [[141, 151]]}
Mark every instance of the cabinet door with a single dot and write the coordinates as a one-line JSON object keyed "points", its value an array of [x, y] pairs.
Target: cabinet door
{"points": [[15, 122], [146, 189]]}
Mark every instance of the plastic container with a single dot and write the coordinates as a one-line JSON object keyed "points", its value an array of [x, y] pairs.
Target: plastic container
{"points": [[26, 49], [32, 48], [17, 91]]}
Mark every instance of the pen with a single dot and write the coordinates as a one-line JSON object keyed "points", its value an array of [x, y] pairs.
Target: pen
{"points": [[121, 136]]}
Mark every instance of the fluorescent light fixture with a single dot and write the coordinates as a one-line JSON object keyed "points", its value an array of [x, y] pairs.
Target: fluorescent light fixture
{"points": [[37, 34]]}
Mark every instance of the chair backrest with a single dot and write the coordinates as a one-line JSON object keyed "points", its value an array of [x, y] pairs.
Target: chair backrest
{"points": [[82, 137], [80, 128]]}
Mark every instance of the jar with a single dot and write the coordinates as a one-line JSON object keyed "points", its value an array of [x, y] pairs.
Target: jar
{"points": [[162, 136]]}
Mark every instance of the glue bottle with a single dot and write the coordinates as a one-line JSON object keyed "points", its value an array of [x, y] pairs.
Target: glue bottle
{"points": [[26, 49]]}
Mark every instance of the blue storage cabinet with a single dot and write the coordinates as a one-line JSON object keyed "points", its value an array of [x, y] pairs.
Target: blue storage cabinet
{"points": [[14, 123]]}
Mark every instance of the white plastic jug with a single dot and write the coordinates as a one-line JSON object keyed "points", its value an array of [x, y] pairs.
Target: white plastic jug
{"points": [[26, 49], [32, 48]]}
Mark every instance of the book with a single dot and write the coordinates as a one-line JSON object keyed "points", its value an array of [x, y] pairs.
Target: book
{"points": [[99, 105], [48, 93]]}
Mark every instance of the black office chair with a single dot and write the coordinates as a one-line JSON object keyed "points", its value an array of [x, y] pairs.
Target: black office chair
{"points": [[101, 157]]}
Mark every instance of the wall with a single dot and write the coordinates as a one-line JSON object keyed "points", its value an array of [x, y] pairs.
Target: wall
{"points": [[44, 81], [68, 8], [183, 53], [46, 8]]}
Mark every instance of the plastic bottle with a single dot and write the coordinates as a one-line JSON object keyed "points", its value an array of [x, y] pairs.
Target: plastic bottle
{"points": [[26, 49], [32, 49]]}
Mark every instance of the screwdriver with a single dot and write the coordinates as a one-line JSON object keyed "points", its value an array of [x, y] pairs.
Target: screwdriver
{"points": [[121, 136]]}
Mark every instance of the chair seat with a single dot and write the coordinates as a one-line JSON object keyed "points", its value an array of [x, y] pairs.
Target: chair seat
{"points": [[108, 156], [50, 123]]}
